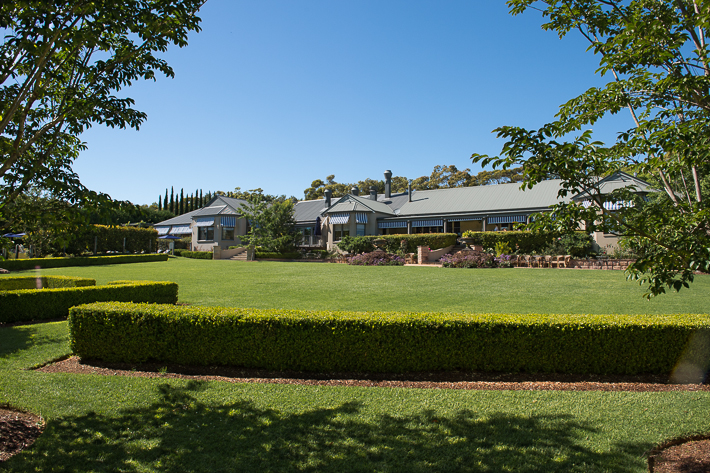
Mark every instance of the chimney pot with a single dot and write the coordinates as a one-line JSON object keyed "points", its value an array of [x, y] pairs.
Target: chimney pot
{"points": [[388, 184], [373, 193]]}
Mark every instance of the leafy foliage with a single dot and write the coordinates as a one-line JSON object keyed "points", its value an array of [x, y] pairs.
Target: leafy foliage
{"points": [[376, 258], [63, 63], [518, 241], [43, 304], [402, 243], [466, 260], [361, 244], [441, 177], [658, 58], [272, 226], [327, 341]]}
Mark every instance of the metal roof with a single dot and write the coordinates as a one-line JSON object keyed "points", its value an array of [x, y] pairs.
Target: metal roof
{"points": [[616, 181], [184, 219], [482, 199], [307, 211], [354, 203]]}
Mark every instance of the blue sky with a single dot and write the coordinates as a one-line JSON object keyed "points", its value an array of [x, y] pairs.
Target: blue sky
{"points": [[277, 93]]}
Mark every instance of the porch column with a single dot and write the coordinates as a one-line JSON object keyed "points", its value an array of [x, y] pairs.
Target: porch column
{"points": [[409, 227]]}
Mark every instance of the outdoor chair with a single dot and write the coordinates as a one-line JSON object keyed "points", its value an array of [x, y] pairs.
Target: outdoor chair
{"points": [[527, 260], [547, 261]]}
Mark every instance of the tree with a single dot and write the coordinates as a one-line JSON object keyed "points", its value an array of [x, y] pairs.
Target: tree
{"points": [[271, 223], [657, 58], [182, 202], [61, 65]]}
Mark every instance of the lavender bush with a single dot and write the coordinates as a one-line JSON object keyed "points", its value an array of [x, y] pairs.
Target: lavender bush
{"points": [[376, 258], [460, 260]]}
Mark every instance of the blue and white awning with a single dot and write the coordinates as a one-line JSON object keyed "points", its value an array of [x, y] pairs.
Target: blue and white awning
{"points": [[400, 224], [611, 205], [508, 219], [181, 230], [162, 230], [204, 221], [360, 218], [428, 223], [339, 219], [229, 221], [464, 219]]}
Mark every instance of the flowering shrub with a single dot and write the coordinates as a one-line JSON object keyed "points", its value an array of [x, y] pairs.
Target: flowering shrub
{"points": [[462, 260], [376, 258], [504, 261]]}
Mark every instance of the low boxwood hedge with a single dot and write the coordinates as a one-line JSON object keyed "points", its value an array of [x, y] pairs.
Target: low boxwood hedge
{"points": [[194, 254], [393, 243], [382, 342], [34, 263], [41, 304], [12, 283]]}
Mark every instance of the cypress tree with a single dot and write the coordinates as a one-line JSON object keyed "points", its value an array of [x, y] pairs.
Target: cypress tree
{"points": [[182, 202], [197, 200], [172, 200], [165, 202], [202, 201], [160, 202]]}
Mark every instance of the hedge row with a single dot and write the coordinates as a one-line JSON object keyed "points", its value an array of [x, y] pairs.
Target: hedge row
{"points": [[111, 239], [393, 243], [383, 342], [522, 241], [12, 283], [40, 304], [194, 254], [34, 263]]}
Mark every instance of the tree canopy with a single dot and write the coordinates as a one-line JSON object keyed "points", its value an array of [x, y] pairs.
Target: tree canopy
{"points": [[655, 55], [61, 66], [441, 177], [272, 226]]}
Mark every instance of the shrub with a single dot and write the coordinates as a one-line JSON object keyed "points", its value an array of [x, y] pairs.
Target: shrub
{"points": [[468, 260], [578, 244], [34, 263], [376, 258], [13, 283], [326, 341], [518, 241], [42, 304], [393, 243], [111, 239], [195, 254], [357, 245]]}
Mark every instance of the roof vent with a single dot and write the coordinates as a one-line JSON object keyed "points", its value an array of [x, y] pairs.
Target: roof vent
{"points": [[327, 194], [388, 184], [373, 193], [355, 190]]}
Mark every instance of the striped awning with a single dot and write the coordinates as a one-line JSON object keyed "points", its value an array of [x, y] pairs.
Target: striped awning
{"points": [[400, 224], [611, 205], [229, 221], [339, 219], [162, 230], [464, 219], [428, 223], [204, 221], [508, 219], [360, 218], [181, 230]]}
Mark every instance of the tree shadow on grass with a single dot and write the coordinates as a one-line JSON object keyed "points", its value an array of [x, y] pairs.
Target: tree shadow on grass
{"points": [[181, 433]]}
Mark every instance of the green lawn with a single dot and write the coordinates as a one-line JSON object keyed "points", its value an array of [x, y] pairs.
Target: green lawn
{"points": [[337, 286], [96, 423]]}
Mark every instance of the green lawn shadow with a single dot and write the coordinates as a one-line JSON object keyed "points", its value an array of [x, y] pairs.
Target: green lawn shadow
{"points": [[180, 433]]}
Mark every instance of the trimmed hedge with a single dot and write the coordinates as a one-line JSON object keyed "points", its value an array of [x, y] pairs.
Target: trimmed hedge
{"points": [[383, 342], [393, 243], [40, 304], [519, 241], [110, 238], [34, 263], [12, 283], [195, 254]]}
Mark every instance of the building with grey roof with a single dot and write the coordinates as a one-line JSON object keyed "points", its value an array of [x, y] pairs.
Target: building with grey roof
{"points": [[326, 221]]}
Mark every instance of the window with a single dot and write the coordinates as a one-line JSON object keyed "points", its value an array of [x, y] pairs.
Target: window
{"points": [[227, 233], [360, 231], [339, 231], [205, 233]]}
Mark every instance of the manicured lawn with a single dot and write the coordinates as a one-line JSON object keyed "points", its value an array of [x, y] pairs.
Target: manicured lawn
{"points": [[337, 286], [96, 423]]}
